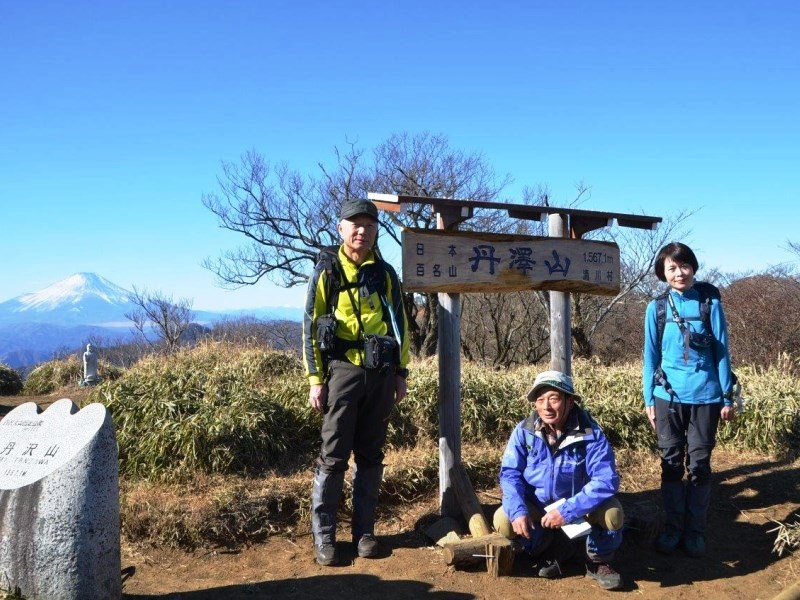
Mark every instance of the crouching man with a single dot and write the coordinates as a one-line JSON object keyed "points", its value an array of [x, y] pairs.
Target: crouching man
{"points": [[560, 454]]}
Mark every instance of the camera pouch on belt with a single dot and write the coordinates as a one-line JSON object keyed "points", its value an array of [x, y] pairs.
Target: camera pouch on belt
{"points": [[380, 352], [326, 333]]}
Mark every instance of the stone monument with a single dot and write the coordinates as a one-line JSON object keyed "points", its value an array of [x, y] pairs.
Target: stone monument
{"points": [[59, 503], [90, 374]]}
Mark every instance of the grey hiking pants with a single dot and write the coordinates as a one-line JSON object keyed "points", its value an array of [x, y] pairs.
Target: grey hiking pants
{"points": [[356, 416]]}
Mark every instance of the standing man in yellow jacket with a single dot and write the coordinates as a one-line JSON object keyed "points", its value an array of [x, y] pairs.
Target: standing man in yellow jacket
{"points": [[356, 352]]}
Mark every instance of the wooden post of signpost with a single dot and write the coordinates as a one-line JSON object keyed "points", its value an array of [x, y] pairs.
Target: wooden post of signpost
{"points": [[449, 351], [560, 311]]}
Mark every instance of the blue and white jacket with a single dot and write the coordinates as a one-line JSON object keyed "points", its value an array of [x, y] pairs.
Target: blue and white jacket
{"points": [[581, 469], [706, 374]]}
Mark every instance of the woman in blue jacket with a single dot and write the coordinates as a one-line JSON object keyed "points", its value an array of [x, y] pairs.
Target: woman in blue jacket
{"points": [[688, 385], [559, 453]]}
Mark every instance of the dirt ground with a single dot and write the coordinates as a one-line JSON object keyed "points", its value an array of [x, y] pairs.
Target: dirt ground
{"points": [[750, 494]]}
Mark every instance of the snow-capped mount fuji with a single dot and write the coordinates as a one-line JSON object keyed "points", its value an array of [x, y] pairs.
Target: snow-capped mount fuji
{"points": [[86, 306], [82, 298], [74, 289]]}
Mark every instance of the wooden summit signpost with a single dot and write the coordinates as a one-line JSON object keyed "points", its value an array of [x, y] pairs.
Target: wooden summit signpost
{"points": [[460, 261], [449, 262]]}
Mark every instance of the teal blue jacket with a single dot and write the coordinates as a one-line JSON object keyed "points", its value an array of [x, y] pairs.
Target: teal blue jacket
{"points": [[704, 375]]}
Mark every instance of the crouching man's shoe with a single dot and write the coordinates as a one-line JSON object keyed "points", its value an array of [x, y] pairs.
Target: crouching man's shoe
{"points": [[368, 546], [606, 577], [549, 569], [325, 554]]}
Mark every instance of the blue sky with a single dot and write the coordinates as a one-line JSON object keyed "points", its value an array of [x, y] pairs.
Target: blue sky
{"points": [[115, 117]]}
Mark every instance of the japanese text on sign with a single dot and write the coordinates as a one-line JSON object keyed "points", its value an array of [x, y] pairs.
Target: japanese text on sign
{"points": [[467, 261]]}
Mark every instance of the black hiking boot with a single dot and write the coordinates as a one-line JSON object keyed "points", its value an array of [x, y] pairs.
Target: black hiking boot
{"points": [[325, 554], [368, 546]]}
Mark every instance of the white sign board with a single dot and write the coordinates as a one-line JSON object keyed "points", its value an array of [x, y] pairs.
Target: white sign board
{"points": [[34, 445]]}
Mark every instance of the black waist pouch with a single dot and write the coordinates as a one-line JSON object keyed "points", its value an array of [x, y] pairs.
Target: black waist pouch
{"points": [[380, 352], [326, 333]]}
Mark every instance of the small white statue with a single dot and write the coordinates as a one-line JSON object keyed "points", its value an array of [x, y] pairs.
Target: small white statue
{"points": [[90, 375]]}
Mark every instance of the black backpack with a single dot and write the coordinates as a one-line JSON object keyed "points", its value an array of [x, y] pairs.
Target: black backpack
{"points": [[707, 293]]}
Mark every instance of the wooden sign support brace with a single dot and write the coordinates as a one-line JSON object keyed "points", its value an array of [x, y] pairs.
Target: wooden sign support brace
{"points": [[499, 557], [470, 507]]}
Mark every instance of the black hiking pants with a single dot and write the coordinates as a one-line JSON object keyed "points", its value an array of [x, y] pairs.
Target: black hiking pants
{"points": [[686, 435]]}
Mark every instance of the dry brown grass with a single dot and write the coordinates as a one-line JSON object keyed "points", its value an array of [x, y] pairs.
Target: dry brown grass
{"points": [[232, 510]]}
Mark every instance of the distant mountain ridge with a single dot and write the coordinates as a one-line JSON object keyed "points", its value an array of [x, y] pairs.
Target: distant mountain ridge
{"points": [[67, 312]]}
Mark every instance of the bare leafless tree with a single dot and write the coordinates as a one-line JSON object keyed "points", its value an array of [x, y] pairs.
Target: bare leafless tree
{"points": [[158, 316], [251, 331], [284, 217], [117, 350], [761, 311], [426, 165], [287, 218], [638, 249], [504, 329]]}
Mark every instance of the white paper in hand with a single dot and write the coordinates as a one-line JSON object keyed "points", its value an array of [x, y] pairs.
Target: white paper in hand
{"points": [[574, 530]]}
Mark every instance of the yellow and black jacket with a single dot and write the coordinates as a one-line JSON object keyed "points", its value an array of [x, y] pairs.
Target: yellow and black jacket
{"points": [[358, 299]]}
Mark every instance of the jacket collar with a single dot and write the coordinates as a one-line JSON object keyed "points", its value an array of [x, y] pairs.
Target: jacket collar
{"points": [[578, 427]]}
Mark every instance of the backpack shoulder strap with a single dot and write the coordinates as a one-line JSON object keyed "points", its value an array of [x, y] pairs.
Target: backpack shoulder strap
{"points": [[661, 316], [388, 269], [328, 259], [708, 292]]}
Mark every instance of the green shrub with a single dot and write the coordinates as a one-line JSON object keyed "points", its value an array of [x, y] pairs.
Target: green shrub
{"points": [[770, 422], [238, 412], [222, 409], [215, 409], [108, 372], [613, 396], [492, 403], [10, 381], [52, 375]]}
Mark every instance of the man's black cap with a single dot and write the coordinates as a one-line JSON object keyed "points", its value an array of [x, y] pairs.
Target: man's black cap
{"points": [[351, 208]]}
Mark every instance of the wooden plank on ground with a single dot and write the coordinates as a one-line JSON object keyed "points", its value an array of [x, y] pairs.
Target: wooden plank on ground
{"points": [[471, 551]]}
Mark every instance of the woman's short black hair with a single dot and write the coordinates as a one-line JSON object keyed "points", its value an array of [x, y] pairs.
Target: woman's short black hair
{"points": [[679, 253]]}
